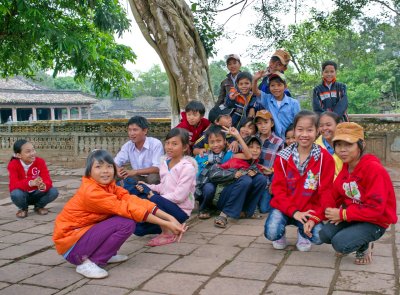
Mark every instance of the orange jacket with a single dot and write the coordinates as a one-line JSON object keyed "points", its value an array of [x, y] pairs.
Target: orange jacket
{"points": [[91, 204]]}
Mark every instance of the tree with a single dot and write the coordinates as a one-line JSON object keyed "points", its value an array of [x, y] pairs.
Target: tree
{"points": [[168, 26], [151, 83], [65, 35]]}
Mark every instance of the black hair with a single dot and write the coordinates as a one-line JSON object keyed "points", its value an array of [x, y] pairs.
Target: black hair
{"points": [[329, 63], [277, 78], [183, 134], [333, 115], [275, 59], [101, 156], [216, 130], [17, 147], [290, 128], [195, 106], [139, 121], [244, 75], [360, 145], [247, 121], [253, 138], [272, 120], [306, 113]]}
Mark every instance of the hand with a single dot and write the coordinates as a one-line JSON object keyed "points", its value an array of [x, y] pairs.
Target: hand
{"points": [[303, 216], [308, 227], [36, 182], [231, 130], [42, 186], [150, 194], [139, 188], [202, 152], [259, 74], [251, 173], [238, 174], [333, 214], [234, 146], [233, 94], [266, 170], [122, 173]]}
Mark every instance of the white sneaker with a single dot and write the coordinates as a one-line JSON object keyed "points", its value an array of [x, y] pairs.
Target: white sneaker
{"points": [[117, 258], [91, 270], [280, 244], [303, 245]]}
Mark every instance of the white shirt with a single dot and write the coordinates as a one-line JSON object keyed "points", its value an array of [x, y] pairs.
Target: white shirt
{"points": [[148, 156]]}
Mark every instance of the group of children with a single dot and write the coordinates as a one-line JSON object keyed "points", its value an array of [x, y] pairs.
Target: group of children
{"points": [[254, 151]]}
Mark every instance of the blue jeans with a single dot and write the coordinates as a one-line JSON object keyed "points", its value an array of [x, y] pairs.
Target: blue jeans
{"points": [[242, 195], [205, 200], [145, 228], [130, 185], [39, 199], [347, 237], [265, 199], [277, 221]]}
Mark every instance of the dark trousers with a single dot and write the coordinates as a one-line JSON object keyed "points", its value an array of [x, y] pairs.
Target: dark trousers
{"points": [[208, 192], [242, 195], [347, 237], [102, 241], [39, 199], [145, 228]]}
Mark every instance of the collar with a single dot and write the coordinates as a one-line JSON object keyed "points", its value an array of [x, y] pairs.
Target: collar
{"points": [[329, 148], [287, 152], [285, 99], [146, 144]]}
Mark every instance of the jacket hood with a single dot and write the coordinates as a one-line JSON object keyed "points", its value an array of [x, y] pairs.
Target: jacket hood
{"points": [[366, 160]]}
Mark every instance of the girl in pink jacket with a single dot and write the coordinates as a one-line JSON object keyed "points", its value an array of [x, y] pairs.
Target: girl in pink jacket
{"points": [[175, 193]]}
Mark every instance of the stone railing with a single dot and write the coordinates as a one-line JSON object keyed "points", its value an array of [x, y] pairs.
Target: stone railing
{"points": [[69, 142]]}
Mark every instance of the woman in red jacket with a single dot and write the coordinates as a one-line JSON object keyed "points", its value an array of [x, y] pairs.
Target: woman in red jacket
{"points": [[30, 182], [364, 196], [303, 176]]}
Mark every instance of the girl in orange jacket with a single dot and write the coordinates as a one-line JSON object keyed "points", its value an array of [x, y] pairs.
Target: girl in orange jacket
{"points": [[101, 216]]}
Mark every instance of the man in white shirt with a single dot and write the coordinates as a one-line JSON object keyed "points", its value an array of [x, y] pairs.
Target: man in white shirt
{"points": [[142, 152]]}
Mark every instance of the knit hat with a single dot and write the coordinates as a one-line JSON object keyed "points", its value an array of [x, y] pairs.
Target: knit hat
{"points": [[283, 56], [232, 56], [264, 114], [218, 111], [349, 132]]}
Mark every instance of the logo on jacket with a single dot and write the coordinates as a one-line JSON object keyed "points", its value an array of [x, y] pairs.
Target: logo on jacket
{"points": [[351, 190], [35, 171], [311, 181]]}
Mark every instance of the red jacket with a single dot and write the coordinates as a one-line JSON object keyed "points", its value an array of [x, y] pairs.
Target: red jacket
{"points": [[20, 180], [194, 131], [237, 163], [294, 192], [366, 194]]}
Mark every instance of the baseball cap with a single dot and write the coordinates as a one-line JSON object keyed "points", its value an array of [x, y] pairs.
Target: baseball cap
{"points": [[280, 75], [283, 56], [252, 138], [264, 114], [218, 111], [232, 56], [349, 132]]}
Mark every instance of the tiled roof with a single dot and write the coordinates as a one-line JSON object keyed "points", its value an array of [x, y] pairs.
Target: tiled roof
{"points": [[19, 91]]}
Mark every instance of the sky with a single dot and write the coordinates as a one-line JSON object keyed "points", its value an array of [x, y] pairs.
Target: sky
{"points": [[236, 27]]}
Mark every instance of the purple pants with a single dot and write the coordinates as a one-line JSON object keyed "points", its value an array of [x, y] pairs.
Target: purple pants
{"points": [[102, 241]]}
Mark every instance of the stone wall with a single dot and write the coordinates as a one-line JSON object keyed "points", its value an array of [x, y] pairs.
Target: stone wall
{"points": [[69, 142]]}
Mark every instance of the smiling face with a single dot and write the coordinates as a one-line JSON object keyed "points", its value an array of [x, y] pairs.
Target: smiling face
{"points": [[174, 147], [305, 132], [277, 88], [329, 73], [102, 172], [255, 150], [327, 127], [233, 66], [27, 154], [248, 129], [224, 121], [217, 143], [244, 86], [289, 138], [275, 65], [264, 126], [136, 134]]}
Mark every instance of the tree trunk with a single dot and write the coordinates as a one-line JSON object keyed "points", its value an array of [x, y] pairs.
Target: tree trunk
{"points": [[168, 27]]}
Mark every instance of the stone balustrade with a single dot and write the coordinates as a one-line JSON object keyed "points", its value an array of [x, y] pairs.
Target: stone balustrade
{"points": [[69, 142]]}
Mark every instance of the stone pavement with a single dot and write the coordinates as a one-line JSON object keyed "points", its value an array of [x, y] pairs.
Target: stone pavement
{"points": [[235, 260]]}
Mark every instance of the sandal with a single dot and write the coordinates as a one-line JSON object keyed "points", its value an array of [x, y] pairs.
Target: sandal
{"points": [[340, 255], [220, 221], [364, 257], [162, 239], [204, 215], [42, 211], [22, 213]]}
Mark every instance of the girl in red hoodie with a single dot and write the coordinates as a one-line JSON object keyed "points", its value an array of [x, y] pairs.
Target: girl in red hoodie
{"points": [[303, 176], [30, 182], [364, 196]]}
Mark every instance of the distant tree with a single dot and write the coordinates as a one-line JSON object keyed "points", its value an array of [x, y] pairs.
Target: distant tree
{"points": [[151, 83]]}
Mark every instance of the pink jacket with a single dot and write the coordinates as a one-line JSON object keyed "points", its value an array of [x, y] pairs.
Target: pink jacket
{"points": [[178, 184]]}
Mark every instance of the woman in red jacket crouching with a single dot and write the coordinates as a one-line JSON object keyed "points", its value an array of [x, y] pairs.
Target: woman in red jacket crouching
{"points": [[364, 196]]}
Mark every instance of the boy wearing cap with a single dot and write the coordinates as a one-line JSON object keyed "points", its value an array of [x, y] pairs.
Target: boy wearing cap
{"points": [[330, 95], [364, 201], [233, 64], [282, 107], [278, 63], [270, 146]]}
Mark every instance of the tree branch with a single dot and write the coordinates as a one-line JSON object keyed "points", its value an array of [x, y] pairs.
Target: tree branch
{"points": [[387, 6]]}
